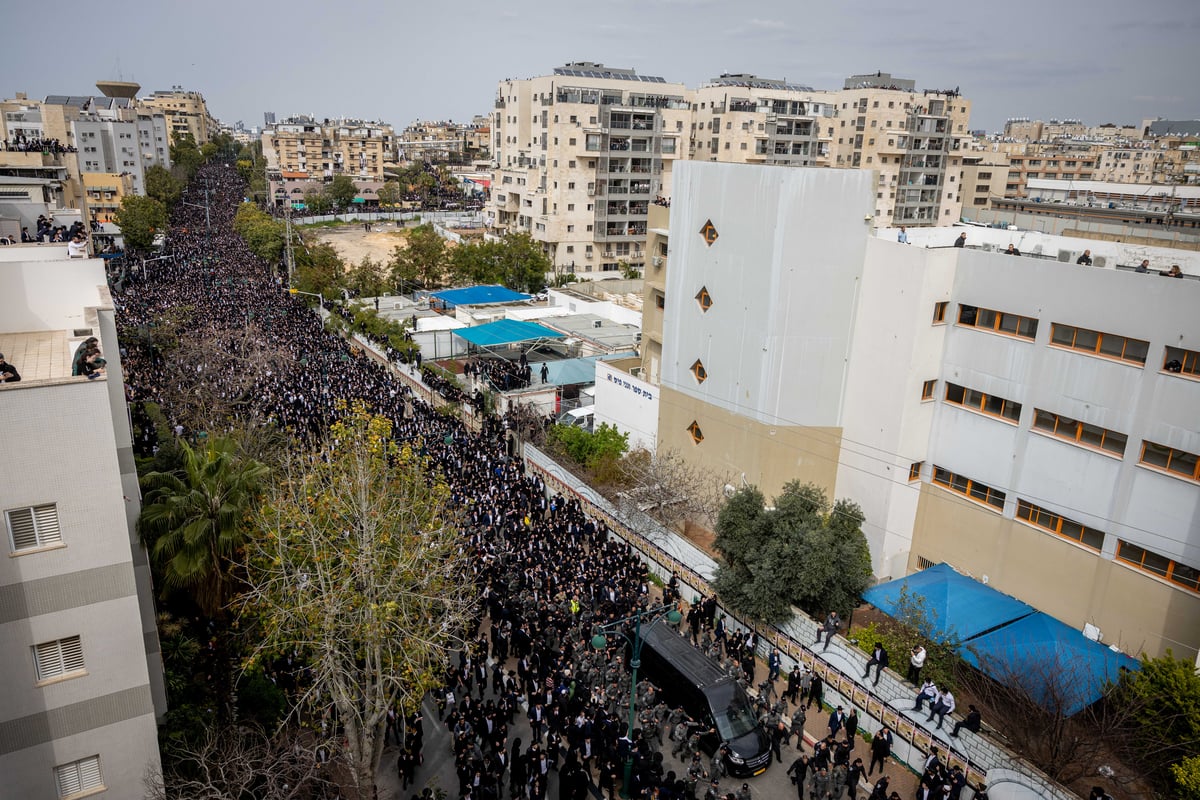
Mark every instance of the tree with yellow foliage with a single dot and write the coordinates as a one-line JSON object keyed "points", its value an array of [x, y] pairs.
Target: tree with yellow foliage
{"points": [[358, 569]]}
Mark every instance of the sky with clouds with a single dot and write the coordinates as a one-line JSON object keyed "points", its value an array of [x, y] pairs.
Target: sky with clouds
{"points": [[1095, 60]]}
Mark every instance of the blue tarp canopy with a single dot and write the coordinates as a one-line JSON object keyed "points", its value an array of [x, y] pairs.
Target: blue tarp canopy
{"points": [[1006, 638], [958, 606], [570, 371], [1041, 645], [505, 331], [478, 296]]}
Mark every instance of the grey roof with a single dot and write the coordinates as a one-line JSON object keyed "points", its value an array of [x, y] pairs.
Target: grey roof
{"points": [[609, 74], [609, 334], [755, 82]]}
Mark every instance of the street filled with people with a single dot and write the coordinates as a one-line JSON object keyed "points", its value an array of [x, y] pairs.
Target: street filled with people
{"points": [[548, 575]]}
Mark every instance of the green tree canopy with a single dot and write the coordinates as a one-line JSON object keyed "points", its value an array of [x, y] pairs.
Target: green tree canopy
{"points": [[341, 191], [163, 186], [139, 219], [263, 233], [185, 155], [319, 269], [317, 201], [195, 521], [422, 261], [799, 553], [516, 261], [389, 193], [367, 278], [359, 568]]}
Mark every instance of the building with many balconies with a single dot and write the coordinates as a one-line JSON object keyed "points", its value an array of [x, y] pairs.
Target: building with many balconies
{"points": [[322, 149]]}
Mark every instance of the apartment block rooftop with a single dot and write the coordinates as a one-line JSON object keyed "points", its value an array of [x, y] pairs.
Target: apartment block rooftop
{"points": [[49, 304], [749, 81]]}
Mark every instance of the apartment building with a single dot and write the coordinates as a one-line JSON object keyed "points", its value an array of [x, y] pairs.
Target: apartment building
{"points": [[125, 145], [984, 176], [581, 155], [1018, 418], [115, 140], [744, 119], [912, 139], [325, 148], [1063, 160], [439, 141], [1165, 160], [78, 644], [186, 113]]}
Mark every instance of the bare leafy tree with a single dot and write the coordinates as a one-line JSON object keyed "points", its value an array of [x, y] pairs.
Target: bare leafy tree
{"points": [[234, 763], [358, 569], [670, 489], [1038, 701]]}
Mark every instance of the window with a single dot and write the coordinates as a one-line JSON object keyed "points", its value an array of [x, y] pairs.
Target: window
{"points": [[914, 470], [927, 389], [704, 299], [979, 492], [983, 403], [997, 321], [660, 302], [1108, 345], [570, 247], [1079, 432], [79, 777], [695, 432], [1182, 362], [58, 658], [34, 527], [1161, 566], [1068, 529], [1177, 462], [939, 312], [699, 372]]}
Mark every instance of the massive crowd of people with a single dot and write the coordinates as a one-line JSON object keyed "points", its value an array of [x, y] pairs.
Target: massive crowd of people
{"points": [[547, 573]]}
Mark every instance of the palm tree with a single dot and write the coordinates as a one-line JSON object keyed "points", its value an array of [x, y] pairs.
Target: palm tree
{"points": [[194, 519]]}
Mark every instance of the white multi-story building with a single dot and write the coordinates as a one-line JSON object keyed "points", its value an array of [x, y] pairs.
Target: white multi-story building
{"points": [[78, 644], [122, 146], [581, 154], [1024, 419]]}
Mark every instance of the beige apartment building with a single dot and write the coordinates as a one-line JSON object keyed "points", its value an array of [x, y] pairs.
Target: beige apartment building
{"points": [[1167, 160], [186, 113], [1061, 160], [445, 140], [912, 139], [744, 119], [325, 148], [581, 154], [984, 177]]}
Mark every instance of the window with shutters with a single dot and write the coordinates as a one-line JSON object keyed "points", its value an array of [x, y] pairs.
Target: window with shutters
{"points": [[33, 528], [79, 778], [61, 658]]}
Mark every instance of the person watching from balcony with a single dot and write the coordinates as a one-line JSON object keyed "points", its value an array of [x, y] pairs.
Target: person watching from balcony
{"points": [[1085, 259]]}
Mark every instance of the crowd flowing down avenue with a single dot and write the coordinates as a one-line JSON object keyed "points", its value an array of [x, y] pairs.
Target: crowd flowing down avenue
{"points": [[546, 573]]}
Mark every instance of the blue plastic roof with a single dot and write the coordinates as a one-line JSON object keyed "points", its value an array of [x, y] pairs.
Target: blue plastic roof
{"points": [[479, 296], [1006, 638], [571, 371], [505, 331], [956, 604], [1040, 645]]}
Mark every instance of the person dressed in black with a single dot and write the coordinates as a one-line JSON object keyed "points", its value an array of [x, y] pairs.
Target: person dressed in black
{"points": [[8, 373], [1085, 259], [881, 748], [973, 722], [961, 241], [879, 660]]}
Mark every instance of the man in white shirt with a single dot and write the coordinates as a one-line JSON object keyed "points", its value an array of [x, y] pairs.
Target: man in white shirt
{"points": [[77, 247], [942, 706], [915, 662]]}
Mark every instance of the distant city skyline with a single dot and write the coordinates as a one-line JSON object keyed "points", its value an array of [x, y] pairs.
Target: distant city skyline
{"points": [[1098, 62]]}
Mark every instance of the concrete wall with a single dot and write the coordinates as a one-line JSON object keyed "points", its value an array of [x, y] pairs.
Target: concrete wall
{"points": [[783, 275], [1133, 610], [745, 451], [630, 404], [60, 448], [48, 295]]}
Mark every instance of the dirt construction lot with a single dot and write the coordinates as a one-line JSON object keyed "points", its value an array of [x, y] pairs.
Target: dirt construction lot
{"points": [[353, 243]]}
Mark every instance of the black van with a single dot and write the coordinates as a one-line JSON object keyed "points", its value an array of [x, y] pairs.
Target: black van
{"points": [[693, 681]]}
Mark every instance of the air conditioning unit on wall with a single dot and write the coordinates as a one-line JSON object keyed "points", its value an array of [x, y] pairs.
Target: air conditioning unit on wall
{"points": [[656, 261]]}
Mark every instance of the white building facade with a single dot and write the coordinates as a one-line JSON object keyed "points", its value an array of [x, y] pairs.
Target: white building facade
{"points": [[78, 643], [1031, 421]]}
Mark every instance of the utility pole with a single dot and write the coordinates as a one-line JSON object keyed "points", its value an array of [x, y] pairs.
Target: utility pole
{"points": [[288, 254]]}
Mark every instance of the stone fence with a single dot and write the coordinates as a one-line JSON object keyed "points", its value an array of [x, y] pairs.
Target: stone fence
{"points": [[840, 666]]}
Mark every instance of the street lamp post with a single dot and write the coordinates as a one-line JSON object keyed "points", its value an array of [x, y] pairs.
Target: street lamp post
{"points": [[600, 642], [317, 295]]}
